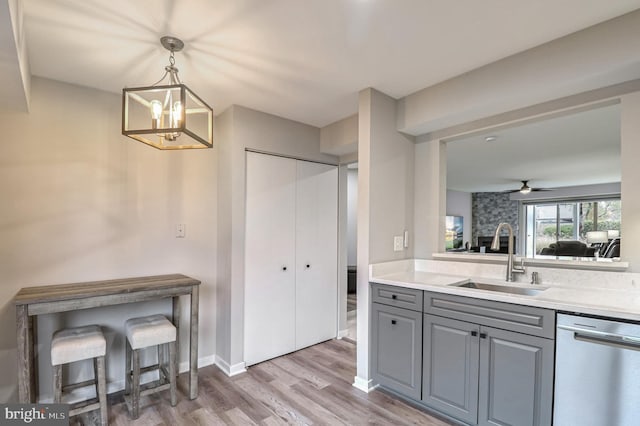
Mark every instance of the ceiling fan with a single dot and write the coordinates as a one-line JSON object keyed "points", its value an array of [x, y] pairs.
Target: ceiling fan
{"points": [[526, 189]]}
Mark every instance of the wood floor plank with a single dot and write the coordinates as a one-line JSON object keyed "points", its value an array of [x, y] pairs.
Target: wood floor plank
{"points": [[318, 414], [236, 397], [273, 421], [277, 405], [206, 417], [309, 387], [340, 408], [237, 417], [403, 410], [288, 364], [276, 372]]}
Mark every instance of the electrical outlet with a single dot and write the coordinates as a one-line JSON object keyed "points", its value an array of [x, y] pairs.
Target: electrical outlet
{"points": [[180, 230], [398, 243]]}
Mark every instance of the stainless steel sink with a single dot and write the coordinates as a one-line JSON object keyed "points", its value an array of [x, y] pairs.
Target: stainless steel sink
{"points": [[503, 288]]}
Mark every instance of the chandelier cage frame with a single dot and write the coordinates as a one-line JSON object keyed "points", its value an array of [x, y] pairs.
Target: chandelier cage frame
{"points": [[167, 116]]}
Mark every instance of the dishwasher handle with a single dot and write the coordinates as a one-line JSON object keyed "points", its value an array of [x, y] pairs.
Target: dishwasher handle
{"points": [[602, 337]]}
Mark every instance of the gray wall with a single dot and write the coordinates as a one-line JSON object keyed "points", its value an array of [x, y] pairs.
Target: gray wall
{"points": [[352, 218], [459, 204], [385, 201], [599, 56], [488, 210], [81, 202], [243, 128]]}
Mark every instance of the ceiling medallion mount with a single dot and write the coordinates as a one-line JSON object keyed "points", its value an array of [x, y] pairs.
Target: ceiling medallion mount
{"points": [[167, 115], [172, 44]]}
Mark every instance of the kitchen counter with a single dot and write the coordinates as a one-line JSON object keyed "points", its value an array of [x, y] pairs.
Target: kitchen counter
{"points": [[621, 303]]}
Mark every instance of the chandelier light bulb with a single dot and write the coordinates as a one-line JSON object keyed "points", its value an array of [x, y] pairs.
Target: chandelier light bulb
{"points": [[177, 114], [155, 107]]}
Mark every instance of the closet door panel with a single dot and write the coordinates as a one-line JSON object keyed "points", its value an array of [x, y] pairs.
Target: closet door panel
{"points": [[270, 266], [316, 229]]}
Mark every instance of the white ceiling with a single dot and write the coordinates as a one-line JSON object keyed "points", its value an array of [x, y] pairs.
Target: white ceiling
{"points": [[571, 150], [303, 60]]}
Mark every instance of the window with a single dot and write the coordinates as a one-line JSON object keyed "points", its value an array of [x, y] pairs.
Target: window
{"points": [[549, 222]]}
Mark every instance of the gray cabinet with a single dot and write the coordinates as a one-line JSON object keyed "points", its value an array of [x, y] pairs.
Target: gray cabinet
{"points": [[396, 341], [479, 361], [516, 378], [450, 367], [485, 375]]}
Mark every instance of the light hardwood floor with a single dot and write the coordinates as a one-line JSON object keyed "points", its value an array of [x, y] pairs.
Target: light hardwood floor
{"points": [[311, 386]]}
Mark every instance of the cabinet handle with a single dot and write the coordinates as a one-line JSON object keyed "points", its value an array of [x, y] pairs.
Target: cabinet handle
{"points": [[474, 333], [308, 266], [483, 335], [393, 322], [284, 268], [394, 297]]}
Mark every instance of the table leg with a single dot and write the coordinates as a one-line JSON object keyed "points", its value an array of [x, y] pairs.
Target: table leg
{"points": [[26, 371], [193, 351], [176, 323]]}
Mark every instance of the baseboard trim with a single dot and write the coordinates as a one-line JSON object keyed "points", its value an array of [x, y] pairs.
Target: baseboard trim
{"points": [[230, 370], [363, 384], [342, 333]]}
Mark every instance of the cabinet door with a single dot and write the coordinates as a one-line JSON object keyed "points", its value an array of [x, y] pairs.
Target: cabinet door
{"points": [[316, 228], [516, 378], [396, 343], [269, 257], [450, 367]]}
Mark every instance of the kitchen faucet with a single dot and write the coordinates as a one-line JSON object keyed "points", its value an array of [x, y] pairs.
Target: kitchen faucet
{"points": [[495, 245]]}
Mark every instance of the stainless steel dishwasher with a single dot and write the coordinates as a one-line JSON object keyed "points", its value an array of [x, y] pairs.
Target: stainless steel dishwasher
{"points": [[597, 372]]}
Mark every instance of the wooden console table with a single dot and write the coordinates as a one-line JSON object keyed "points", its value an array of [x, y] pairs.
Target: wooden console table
{"points": [[32, 301]]}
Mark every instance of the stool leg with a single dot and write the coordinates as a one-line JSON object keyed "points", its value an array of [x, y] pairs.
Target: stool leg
{"points": [[172, 373], [95, 376], [57, 383], [127, 368], [161, 361], [135, 397], [102, 390]]}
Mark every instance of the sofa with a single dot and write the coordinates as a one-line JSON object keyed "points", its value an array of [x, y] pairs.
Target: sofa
{"points": [[568, 248]]}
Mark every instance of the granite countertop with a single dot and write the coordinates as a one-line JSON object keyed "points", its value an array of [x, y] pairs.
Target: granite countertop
{"points": [[616, 303]]}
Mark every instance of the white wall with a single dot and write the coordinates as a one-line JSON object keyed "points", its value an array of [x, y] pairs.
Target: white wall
{"points": [[81, 202], [15, 93], [429, 198], [391, 185], [245, 128], [630, 197], [385, 203], [341, 137], [599, 56], [459, 204], [352, 217]]}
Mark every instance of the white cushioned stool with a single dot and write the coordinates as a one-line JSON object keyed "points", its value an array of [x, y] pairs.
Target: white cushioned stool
{"points": [[77, 344], [144, 332]]}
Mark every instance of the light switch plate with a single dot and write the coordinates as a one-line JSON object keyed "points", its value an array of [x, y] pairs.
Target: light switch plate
{"points": [[398, 243], [180, 230]]}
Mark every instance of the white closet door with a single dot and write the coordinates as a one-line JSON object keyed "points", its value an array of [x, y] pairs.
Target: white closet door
{"points": [[316, 253], [269, 257]]}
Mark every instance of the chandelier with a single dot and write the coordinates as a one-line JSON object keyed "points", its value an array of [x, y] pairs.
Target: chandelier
{"points": [[167, 115]]}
